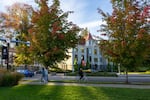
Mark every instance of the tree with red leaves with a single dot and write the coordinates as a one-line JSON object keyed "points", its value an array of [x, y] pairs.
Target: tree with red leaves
{"points": [[51, 34], [128, 29]]}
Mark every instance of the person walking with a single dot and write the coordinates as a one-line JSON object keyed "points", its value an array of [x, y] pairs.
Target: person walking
{"points": [[46, 74], [43, 75], [81, 73]]}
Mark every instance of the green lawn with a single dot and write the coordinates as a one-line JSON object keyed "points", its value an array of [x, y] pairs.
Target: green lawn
{"points": [[45, 92]]}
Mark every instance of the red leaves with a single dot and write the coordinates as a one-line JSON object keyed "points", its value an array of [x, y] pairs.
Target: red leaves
{"points": [[47, 54], [55, 49], [55, 27], [112, 19], [140, 34], [146, 14], [123, 43], [142, 31], [146, 11], [35, 17], [61, 36], [30, 30], [112, 53]]}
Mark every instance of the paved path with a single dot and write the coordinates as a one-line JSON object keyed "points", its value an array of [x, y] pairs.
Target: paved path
{"points": [[120, 79], [35, 81]]}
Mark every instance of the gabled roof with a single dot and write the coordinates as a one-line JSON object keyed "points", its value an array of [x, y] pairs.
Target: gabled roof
{"points": [[88, 37], [85, 38]]}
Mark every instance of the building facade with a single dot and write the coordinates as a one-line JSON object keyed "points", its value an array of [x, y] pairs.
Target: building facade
{"points": [[89, 52]]}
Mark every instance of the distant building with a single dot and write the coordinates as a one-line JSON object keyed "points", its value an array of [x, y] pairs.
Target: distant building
{"points": [[88, 51]]}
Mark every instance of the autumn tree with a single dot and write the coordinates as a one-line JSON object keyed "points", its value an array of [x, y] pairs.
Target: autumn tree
{"points": [[51, 34], [16, 22], [128, 30]]}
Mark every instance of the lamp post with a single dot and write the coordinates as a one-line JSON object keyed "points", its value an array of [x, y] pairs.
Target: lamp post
{"points": [[5, 53], [7, 60], [5, 49]]}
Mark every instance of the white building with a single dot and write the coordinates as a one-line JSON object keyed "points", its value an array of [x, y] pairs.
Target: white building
{"points": [[89, 51]]}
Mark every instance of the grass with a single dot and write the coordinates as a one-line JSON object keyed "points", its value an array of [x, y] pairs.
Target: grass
{"points": [[45, 92], [146, 73]]}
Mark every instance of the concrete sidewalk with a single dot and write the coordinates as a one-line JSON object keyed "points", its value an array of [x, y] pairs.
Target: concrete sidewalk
{"points": [[91, 81], [119, 79]]}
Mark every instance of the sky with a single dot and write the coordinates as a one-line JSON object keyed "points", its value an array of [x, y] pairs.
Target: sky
{"points": [[85, 11]]}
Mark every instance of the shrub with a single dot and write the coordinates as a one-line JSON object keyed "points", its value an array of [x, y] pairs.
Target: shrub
{"points": [[9, 78], [56, 69], [88, 73]]}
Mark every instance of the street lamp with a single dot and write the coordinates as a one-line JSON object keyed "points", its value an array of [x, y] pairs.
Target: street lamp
{"points": [[5, 53], [5, 49]]}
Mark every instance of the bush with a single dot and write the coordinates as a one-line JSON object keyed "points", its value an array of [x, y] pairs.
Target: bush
{"points": [[56, 69], [88, 73], [9, 78]]}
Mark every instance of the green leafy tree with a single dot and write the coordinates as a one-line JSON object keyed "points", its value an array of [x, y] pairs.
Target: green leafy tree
{"points": [[128, 29], [51, 34], [16, 22], [84, 32]]}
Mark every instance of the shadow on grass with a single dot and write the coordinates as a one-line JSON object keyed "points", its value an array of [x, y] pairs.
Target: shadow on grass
{"points": [[55, 92]]}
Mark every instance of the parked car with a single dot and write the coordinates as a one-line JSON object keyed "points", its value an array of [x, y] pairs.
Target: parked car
{"points": [[26, 72]]}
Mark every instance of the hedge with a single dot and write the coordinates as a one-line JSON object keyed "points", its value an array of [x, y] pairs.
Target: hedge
{"points": [[9, 78]]}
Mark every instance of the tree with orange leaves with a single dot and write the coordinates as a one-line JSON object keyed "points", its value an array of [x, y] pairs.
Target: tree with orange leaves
{"points": [[16, 22], [128, 29]]}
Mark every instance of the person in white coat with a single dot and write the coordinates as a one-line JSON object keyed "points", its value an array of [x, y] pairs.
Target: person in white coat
{"points": [[46, 74], [43, 75]]}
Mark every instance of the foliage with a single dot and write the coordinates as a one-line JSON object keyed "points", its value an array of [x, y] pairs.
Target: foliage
{"points": [[15, 23], [51, 34], [84, 32], [23, 56], [56, 69], [9, 78], [128, 32], [76, 67], [46, 92]]}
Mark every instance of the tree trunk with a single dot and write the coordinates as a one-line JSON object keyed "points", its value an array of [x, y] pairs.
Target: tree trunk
{"points": [[127, 81]]}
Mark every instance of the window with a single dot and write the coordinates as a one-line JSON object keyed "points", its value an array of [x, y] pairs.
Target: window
{"points": [[101, 59], [90, 58], [89, 51], [75, 60], [76, 56], [90, 43], [82, 57], [82, 50], [76, 49], [95, 51], [95, 60]]}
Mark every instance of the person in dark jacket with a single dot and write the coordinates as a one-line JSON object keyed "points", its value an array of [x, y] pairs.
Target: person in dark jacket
{"points": [[81, 73]]}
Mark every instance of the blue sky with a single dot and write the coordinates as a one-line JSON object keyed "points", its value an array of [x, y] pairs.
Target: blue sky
{"points": [[85, 11]]}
